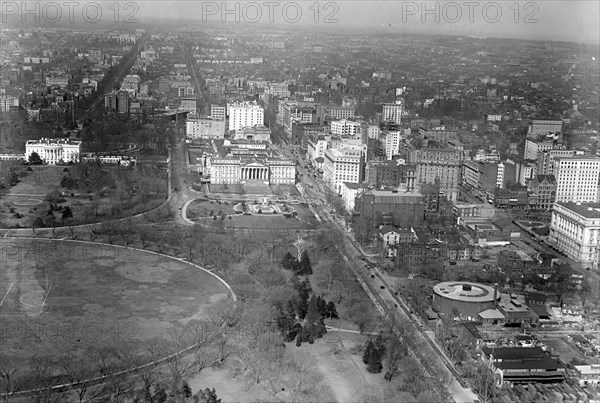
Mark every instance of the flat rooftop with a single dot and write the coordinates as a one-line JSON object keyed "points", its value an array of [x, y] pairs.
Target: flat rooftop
{"points": [[587, 210]]}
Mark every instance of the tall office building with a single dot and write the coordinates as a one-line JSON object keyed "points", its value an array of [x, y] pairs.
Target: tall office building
{"points": [[439, 165], [392, 113], [342, 165], [577, 179], [123, 101], [392, 144], [545, 159], [244, 114]]}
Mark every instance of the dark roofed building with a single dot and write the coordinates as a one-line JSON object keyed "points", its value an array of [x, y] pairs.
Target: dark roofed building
{"points": [[525, 365], [398, 208]]}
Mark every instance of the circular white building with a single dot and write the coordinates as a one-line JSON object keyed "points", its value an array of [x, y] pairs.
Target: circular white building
{"points": [[468, 298]]}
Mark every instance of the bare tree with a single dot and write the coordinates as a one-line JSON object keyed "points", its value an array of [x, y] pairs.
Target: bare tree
{"points": [[125, 231], [41, 381], [144, 234], [12, 376], [79, 375]]}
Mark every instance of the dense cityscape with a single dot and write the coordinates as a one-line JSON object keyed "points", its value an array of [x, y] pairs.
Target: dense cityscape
{"points": [[236, 212]]}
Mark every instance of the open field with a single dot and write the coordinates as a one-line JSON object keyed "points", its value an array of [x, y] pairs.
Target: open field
{"points": [[60, 296]]}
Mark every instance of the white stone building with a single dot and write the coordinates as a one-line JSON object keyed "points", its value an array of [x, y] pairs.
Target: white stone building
{"points": [[575, 230], [53, 151], [243, 114]]}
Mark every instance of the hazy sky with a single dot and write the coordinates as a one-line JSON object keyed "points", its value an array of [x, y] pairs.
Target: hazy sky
{"points": [[573, 20]]}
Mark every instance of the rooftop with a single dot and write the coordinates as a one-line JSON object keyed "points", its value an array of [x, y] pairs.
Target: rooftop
{"points": [[587, 210], [465, 291]]}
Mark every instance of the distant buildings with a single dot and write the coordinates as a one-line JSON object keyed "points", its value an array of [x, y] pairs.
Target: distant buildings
{"points": [[7, 102], [392, 113], [58, 81], [543, 127], [53, 151], [340, 112], [575, 230], [188, 103], [577, 179], [123, 102], [245, 114]]}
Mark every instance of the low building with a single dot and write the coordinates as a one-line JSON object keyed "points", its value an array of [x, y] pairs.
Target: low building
{"points": [[464, 298], [391, 236], [491, 317], [588, 374], [253, 133], [516, 311], [524, 365], [513, 196]]}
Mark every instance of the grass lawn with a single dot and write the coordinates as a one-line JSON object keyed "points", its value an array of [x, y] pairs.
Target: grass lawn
{"points": [[44, 179], [60, 296]]}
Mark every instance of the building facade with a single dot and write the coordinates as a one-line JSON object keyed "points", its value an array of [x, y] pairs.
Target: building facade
{"points": [[544, 186], [577, 179], [342, 165], [575, 230], [270, 171], [245, 114], [439, 165], [204, 128], [404, 209], [53, 151], [392, 113]]}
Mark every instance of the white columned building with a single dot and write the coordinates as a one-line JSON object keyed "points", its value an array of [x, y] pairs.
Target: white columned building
{"points": [[53, 151]]}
